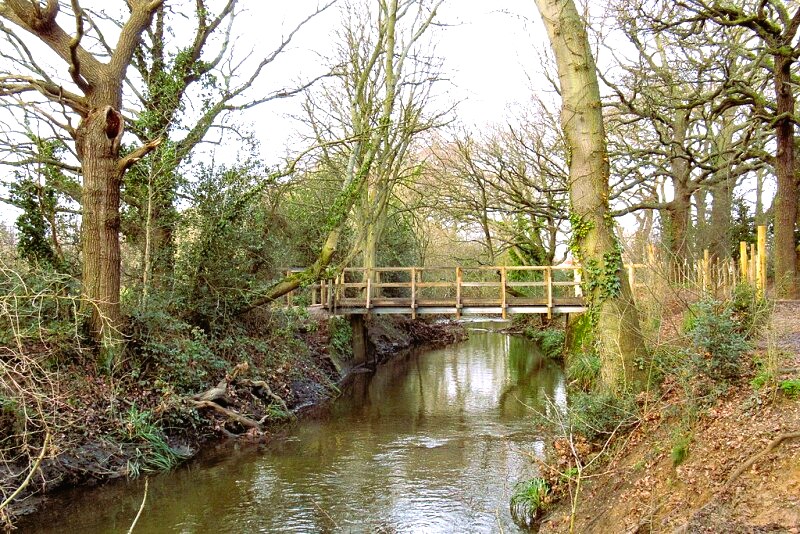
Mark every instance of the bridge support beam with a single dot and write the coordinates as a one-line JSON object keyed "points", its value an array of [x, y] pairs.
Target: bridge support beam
{"points": [[359, 327]]}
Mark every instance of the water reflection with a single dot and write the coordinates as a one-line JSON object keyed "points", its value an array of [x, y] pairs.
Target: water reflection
{"points": [[430, 443]]}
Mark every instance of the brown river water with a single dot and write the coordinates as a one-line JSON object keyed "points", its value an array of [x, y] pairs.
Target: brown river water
{"points": [[432, 442]]}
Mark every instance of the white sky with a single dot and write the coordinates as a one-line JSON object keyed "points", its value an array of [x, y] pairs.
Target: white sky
{"points": [[487, 49]]}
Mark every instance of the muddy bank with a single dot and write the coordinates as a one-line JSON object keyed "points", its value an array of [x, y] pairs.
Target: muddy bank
{"points": [[732, 468], [114, 417]]}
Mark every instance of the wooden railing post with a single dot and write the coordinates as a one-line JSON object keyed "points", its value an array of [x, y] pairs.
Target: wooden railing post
{"points": [[459, 280], [503, 292], [548, 274], [369, 292], [413, 292], [706, 271], [576, 278], [761, 264]]}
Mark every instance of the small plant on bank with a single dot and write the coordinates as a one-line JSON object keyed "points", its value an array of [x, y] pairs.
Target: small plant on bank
{"points": [[153, 453], [791, 388], [596, 415], [583, 370], [550, 340], [718, 339], [341, 337], [680, 447], [529, 500]]}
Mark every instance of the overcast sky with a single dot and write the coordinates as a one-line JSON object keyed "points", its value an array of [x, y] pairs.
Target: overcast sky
{"points": [[489, 52]]}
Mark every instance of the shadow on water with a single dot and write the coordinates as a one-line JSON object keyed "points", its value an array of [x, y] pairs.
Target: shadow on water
{"points": [[431, 442]]}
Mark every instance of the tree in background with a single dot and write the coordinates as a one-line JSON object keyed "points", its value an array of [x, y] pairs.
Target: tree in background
{"points": [[364, 120], [775, 24]]}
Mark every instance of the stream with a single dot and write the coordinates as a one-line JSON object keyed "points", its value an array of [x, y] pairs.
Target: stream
{"points": [[431, 442]]}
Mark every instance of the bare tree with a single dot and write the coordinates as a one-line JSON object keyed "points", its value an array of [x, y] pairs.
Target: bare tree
{"points": [[154, 82]]}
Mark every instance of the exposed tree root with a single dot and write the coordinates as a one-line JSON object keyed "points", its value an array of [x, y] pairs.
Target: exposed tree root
{"points": [[230, 414], [755, 458], [263, 385], [211, 398]]}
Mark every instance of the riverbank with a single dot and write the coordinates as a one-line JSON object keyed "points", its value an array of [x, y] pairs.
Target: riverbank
{"points": [[148, 419], [728, 467]]}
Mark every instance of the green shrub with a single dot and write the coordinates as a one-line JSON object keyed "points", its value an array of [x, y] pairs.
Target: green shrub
{"points": [[791, 388], [596, 415], [762, 378], [153, 453], [749, 310], [550, 340], [718, 339], [529, 500], [583, 370], [341, 337], [680, 447]]}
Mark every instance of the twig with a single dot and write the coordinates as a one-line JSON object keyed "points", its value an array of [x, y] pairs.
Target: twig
{"points": [[499, 524], [335, 524], [141, 508], [30, 473]]}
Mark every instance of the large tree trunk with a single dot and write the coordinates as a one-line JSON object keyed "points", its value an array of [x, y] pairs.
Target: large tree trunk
{"points": [[675, 221], [676, 216], [719, 228], [785, 205], [611, 309], [98, 140]]}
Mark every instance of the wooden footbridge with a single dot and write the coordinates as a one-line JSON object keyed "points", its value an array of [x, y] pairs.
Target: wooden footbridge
{"points": [[458, 291], [496, 290]]}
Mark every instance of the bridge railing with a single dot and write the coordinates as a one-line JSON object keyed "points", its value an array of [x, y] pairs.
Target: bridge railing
{"points": [[456, 288], [497, 289]]}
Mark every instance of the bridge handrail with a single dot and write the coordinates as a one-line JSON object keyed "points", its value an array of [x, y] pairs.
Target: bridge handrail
{"points": [[368, 284]]}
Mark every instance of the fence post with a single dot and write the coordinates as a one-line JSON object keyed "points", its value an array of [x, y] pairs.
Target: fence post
{"points": [[706, 271], [743, 261], [576, 277], [413, 292], [503, 291], [459, 279], [761, 265], [548, 273]]}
